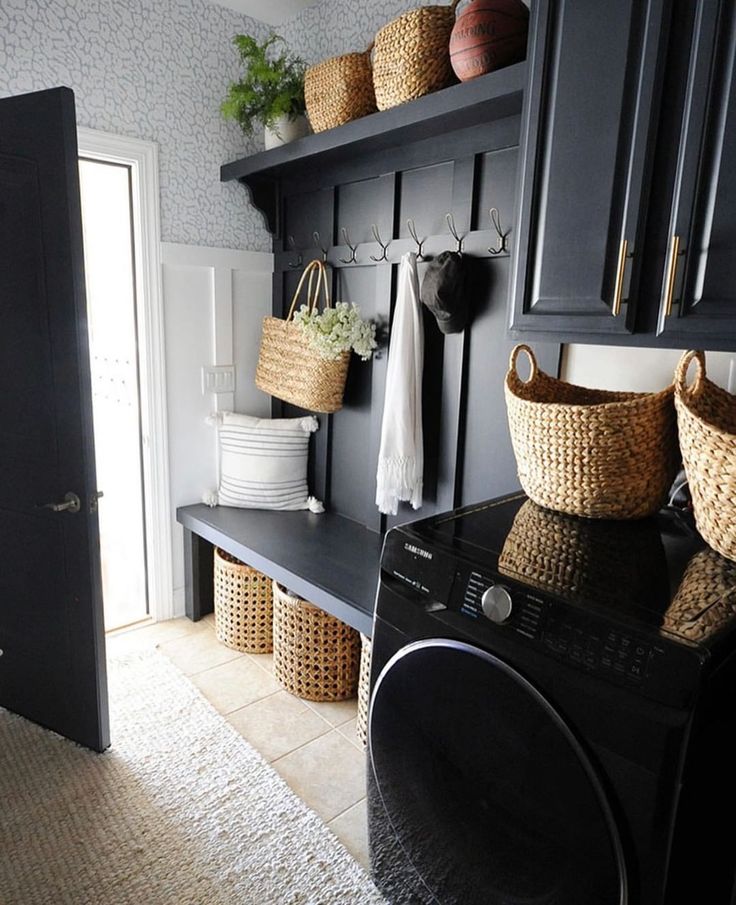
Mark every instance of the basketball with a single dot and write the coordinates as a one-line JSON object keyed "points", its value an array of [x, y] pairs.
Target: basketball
{"points": [[488, 35]]}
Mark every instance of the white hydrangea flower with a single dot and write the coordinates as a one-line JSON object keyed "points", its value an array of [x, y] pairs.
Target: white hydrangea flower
{"points": [[336, 330]]}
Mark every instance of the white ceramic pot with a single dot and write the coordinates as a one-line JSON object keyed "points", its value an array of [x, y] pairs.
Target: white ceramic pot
{"points": [[285, 130]]}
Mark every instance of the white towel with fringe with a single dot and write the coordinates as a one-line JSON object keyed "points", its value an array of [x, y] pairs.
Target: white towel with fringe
{"points": [[401, 457]]}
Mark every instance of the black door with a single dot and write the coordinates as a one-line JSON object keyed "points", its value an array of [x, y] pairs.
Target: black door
{"points": [[52, 668], [479, 793], [587, 130], [698, 305]]}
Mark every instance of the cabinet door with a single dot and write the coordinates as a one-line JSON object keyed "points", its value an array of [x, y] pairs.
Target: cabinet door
{"points": [[699, 285], [587, 129]]}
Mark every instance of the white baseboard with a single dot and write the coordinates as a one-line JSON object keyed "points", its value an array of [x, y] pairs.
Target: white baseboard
{"points": [[179, 608]]}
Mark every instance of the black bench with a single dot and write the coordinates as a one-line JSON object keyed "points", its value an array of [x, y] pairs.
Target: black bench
{"points": [[326, 559]]}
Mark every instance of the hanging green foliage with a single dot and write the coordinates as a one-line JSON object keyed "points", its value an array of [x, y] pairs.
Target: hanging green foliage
{"points": [[273, 84]]}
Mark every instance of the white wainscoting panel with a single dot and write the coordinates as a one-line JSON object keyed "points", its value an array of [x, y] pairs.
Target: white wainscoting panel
{"points": [[214, 302]]}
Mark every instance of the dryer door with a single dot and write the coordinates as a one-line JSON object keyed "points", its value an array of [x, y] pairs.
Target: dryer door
{"points": [[480, 789]]}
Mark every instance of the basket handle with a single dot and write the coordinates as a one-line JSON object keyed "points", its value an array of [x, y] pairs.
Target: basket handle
{"points": [[453, 5], [318, 268], [533, 366], [683, 366]]}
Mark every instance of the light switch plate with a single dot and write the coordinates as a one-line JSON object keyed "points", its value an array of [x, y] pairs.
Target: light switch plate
{"points": [[219, 379]]}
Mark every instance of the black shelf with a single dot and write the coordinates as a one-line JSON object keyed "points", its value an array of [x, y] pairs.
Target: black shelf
{"points": [[489, 97]]}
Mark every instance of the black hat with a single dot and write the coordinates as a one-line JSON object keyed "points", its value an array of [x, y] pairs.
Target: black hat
{"points": [[443, 291]]}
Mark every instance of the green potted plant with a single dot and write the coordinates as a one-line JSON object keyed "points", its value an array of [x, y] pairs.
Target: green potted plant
{"points": [[270, 92]]}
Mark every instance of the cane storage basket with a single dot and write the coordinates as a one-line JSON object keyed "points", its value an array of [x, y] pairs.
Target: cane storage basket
{"points": [[706, 421], [315, 656], [243, 606], [594, 453], [289, 368], [364, 689], [339, 90], [412, 55]]}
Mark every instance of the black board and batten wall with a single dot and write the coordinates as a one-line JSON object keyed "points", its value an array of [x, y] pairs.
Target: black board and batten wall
{"points": [[451, 153], [391, 176]]}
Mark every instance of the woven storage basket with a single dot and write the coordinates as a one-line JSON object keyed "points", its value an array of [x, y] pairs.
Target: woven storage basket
{"points": [[364, 689], [706, 421], [288, 368], [412, 55], [339, 90], [243, 606], [315, 656], [705, 601], [587, 560], [593, 453]]}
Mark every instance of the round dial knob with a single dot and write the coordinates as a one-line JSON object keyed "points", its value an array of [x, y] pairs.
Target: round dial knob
{"points": [[496, 603]]}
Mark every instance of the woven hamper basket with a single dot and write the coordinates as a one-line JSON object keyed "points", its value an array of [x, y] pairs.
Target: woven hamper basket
{"points": [[243, 606], [706, 421], [289, 369], [594, 453], [364, 689], [339, 90], [315, 656], [412, 55]]}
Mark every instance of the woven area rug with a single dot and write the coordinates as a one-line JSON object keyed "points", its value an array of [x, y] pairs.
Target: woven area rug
{"points": [[180, 811]]}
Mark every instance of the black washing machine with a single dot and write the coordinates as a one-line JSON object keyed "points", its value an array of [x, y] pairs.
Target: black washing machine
{"points": [[551, 712]]}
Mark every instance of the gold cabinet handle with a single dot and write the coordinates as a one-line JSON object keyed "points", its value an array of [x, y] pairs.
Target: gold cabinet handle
{"points": [[623, 254], [671, 276]]}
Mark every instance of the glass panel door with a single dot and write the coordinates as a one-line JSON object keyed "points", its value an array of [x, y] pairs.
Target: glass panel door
{"points": [[111, 302]]}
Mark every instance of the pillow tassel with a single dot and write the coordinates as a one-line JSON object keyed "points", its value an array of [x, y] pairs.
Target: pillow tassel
{"points": [[315, 505], [210, 498]]}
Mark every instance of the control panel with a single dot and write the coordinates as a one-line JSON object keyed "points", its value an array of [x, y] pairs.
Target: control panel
{"points": [[493, 600], [558, 629], [589, 639]]}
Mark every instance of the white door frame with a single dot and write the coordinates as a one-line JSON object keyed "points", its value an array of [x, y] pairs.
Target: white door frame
{"points": [[142, 158]]}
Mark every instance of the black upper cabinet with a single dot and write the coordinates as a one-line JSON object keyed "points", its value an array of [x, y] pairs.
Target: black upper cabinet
{"points": [[627, 221], [587, 131], [698, 298]]}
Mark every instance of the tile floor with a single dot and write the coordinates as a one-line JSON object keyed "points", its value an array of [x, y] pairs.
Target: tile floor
{"points": [[313, 746]]}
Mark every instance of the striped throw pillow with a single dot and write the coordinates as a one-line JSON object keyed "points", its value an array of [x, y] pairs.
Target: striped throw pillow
{"points": [[263, 462]]}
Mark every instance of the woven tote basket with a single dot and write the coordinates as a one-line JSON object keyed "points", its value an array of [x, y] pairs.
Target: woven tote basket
{"points": [[364, 689], [587, 560], [339, 90], [706, 421], [315, 656], [412, 55], [594, 453], [243, 606], [288, 368]]}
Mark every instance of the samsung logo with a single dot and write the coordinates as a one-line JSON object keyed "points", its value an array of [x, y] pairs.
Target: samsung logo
{"points": [[418, 551]]}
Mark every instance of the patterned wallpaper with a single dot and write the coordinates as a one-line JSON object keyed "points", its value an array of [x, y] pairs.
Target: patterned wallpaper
{"points": [[337, 26], [150, 70]]}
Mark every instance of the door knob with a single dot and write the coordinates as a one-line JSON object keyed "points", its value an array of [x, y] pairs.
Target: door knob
{"points": [[71, 503]]}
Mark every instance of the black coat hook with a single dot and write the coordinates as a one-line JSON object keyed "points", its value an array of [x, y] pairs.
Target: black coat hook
{"points": [[299, 259], [377, 237], [502, 236], [413, 233], [353, 248], [451, 226], [315, 236]]}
